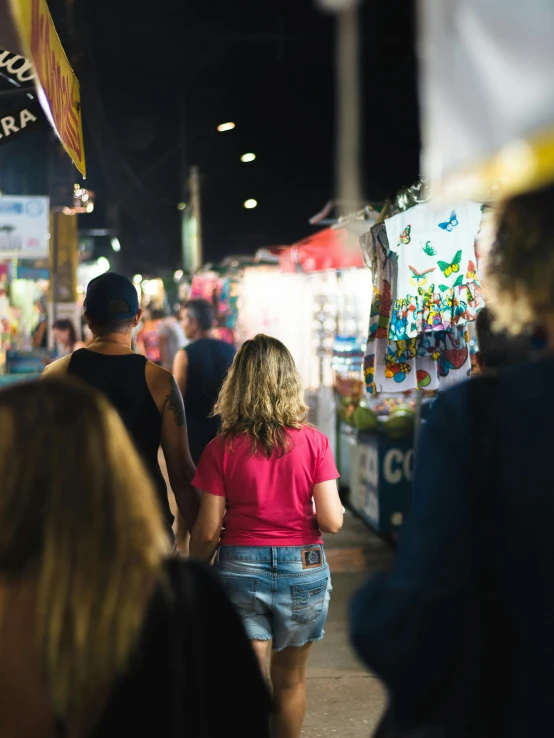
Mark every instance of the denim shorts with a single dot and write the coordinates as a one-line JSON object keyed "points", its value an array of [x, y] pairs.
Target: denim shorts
{"points": [[281, 593]]}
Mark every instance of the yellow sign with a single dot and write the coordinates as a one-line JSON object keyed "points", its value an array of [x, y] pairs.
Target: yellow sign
{"points": [[58, 87]]}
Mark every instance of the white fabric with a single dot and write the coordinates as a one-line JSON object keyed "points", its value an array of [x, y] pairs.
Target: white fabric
{"points": [[426, 235], [485, 79]]}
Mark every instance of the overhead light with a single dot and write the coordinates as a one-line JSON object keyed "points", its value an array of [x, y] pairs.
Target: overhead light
{"points": [[225, 127], [182, 206], [137, 279], [178, 275], [251, 204], [103, 263], [116, 246], [248, 157]]}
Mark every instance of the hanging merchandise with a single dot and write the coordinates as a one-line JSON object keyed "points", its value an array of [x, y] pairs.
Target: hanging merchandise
{"points": [[426, 291]]}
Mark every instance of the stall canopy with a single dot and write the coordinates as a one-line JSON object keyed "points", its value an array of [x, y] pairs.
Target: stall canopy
{"points": [[27, 30], [326, 249]]}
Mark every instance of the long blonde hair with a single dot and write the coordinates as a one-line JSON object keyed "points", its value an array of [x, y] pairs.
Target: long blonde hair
{"points": [[262, 396], [79, 516]]}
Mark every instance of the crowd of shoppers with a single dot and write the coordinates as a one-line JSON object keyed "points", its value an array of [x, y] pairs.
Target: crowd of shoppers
{"points": [[104, 630]]}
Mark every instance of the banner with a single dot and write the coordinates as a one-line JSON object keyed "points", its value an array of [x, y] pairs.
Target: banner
{"points": [[58, 87], [20, 113], [24, 227], [486, 93]]}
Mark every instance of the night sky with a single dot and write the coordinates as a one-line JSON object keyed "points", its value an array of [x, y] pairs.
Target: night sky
{"points": [[267, 66]]}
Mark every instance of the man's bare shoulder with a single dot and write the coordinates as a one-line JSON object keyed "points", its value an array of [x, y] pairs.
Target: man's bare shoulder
{"points": [[57, 368]]}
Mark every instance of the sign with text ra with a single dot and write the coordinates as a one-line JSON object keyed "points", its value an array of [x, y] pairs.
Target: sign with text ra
{"points": [[18, 113], [24, 227], [58, 87]]}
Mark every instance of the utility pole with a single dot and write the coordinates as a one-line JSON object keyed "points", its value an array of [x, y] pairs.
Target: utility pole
{"points": [[190, 208], [195, 216]]}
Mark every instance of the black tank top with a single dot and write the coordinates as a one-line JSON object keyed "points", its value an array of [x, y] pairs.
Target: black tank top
{"points": [[122, 379]]}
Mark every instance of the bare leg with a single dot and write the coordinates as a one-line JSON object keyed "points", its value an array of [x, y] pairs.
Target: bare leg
{"points": [[288, 677], [262, 649]]}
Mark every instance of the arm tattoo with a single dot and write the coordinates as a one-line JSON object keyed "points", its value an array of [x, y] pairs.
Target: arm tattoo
{"points": [[174, 402]]}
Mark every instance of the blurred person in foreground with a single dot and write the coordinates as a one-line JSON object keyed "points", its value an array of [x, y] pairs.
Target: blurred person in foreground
{"points": [[263, 473], [145, 395], [200, 369], [102, 634], [461, 628], [171, 338]]}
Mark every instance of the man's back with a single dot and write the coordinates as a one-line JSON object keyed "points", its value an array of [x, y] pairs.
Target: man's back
{"points": [[122, 379], [208, 362]]}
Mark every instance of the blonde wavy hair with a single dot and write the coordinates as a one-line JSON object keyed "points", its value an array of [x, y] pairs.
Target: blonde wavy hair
{"points": [[79, 519], [520, 265], [262, 396]]}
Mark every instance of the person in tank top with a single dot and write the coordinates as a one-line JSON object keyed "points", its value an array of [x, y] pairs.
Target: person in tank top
{"points": [[145, 395]]}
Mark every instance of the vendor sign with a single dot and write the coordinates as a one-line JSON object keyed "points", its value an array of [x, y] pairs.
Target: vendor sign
{"points": [[57, 85], [24, 227], [20, 113]]}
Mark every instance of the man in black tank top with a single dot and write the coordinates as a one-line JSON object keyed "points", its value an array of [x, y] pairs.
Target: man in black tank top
{"points": [[145, 395], [200, 369]]}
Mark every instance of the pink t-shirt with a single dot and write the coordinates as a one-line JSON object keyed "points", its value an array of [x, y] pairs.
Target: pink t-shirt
{"points": [[269, 501]]}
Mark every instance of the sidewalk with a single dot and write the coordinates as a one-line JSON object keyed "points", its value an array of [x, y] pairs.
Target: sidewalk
{"points": [[343, 698]]}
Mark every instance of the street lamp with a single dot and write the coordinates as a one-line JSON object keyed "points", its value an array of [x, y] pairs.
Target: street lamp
{"points": [[251, 204], [247, 158], [225, 127]]}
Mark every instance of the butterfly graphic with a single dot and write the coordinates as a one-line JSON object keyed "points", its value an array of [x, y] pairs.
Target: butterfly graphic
{"points": [[471, 270], [447, 269], [405, 235], [428, 249], [419, 278], [450, 224]]}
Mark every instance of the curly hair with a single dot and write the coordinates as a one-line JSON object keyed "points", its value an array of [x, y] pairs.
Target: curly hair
{"points": [[520, 265], [262, 396]]}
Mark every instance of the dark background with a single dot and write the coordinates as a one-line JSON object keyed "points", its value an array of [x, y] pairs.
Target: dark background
{"points": [[147, 67]]}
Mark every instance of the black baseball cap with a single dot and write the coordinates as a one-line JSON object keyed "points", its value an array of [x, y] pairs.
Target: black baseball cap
{"points": [[107, 289]]}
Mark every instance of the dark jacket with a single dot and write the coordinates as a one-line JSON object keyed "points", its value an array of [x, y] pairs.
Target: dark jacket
{"points": [[406, 624], [194, 673]]}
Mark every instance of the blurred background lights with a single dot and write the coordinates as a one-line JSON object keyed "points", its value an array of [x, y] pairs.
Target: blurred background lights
{"points": [[137, 279], [116, 246], [250, 204], [248, 157], [225, 127]]}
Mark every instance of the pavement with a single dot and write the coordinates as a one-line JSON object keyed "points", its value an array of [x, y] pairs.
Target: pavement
{"points": [[344, 699]]}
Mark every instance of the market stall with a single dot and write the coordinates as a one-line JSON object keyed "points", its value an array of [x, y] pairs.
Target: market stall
{"points": [[426, 295]]}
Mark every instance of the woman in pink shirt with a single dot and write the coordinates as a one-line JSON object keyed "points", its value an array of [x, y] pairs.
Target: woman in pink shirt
{"points": [[260, 479]]}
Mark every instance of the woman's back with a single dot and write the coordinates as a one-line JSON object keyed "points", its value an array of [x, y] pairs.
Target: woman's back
{"points": [[269, 500]]}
